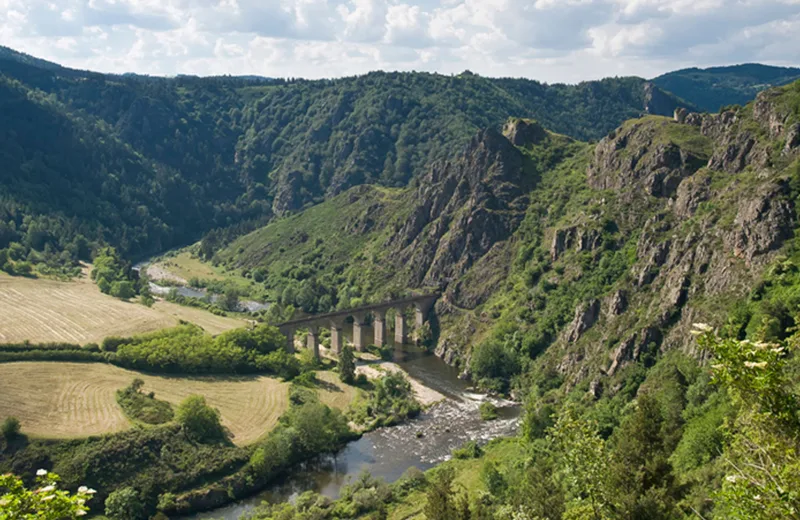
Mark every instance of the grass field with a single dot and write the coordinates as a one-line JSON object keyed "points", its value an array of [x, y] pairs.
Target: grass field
{"points": [[41, 310], [63, 400], [333, 392], [182, 266]]}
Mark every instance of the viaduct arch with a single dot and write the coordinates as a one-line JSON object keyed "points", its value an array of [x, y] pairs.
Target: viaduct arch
{"points": [[335, 322]]}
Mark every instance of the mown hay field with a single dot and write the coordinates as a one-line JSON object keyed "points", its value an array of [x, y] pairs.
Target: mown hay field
{"points": [[333, 392], [41, 310], [64, 400]]}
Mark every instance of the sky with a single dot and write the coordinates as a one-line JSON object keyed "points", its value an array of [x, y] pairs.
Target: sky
{"points": [[548, 40]]}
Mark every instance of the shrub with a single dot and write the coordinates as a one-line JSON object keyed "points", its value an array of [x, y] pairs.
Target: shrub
{"points": [[488, 411], [200, 421], [469, 450], [144, 408], [125, 504], [10, 428]]}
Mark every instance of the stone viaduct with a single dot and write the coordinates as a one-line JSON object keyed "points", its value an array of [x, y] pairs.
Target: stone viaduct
{"points": [[335, 322]]}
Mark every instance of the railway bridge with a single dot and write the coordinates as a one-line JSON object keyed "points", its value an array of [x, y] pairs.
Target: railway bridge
{"points": [[335, 321]]}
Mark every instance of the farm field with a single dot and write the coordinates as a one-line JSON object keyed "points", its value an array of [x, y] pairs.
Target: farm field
{"points": [[64, 400], [40, 310], [333, 392]]}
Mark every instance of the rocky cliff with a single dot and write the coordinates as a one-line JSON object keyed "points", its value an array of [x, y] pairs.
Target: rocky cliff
{"points": [[587, 259]]}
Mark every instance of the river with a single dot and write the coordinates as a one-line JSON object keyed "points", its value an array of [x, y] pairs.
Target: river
{"points": [[388, 452], [191, 292]]}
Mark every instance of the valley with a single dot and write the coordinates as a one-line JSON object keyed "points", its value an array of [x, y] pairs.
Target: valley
{"points": [[615, 336]]}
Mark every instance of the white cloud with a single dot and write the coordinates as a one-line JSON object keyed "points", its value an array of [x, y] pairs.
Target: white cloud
{"points": [[550, 40]]}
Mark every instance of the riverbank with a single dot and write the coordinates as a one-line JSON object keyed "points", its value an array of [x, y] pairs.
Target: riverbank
{"points": [[451, 418]]}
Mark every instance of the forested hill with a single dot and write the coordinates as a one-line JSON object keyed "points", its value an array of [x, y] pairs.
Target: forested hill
{"points": [[147, 163], [715, 87], [163, 160]]}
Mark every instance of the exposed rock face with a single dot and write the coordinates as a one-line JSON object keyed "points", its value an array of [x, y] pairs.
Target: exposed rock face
{"points": [[658, 102], [289, 194], [630, 161], [766, 113], [680, 115], [582, 237], [522, 132], [792, 138], [734, 155], [632, 348], [585, 316], [691, 192], [463, 208], [762, 223], [616, 303]]}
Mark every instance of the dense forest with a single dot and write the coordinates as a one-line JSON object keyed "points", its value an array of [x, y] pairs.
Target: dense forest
{"points": [[145, 164]]}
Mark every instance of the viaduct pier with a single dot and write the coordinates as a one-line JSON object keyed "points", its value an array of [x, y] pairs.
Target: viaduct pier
{"points": [[335, 322]]}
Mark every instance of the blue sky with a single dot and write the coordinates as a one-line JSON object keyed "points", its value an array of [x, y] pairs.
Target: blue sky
{"points": [[549, 40]]}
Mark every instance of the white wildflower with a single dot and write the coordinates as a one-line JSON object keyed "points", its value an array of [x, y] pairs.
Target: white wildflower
{"points": [[731, 478], [83, 489], [48, 497], [80, 513], [47, 489], [4, 502], [757, 497], [90, 491], [778, 350], [751, 364], [41, 472]]}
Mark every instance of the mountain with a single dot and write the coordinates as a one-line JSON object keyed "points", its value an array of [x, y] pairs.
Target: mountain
{"points": [[676, 219], [183, 156], [716, 87], [572, 274]]}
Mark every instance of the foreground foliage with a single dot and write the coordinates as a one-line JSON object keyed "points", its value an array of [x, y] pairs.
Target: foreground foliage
{"points": [[44, 502]]}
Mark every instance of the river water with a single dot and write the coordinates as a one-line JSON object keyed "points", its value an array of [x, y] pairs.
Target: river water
{"points": [[388, 452]]}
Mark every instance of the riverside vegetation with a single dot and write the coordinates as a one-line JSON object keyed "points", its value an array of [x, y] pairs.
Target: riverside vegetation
{"points": [[571, 274], [183, 460]]}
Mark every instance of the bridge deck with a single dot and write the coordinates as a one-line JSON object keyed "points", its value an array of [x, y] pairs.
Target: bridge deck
{"points": [[364, 308]]}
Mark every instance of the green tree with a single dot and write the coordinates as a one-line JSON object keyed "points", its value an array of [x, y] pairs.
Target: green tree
{"points": [[441, 503], [125, 504], [762, 456], [347, 365], [10, 428], [123, 289], [44, 502], [200, 421], [230, 300], [582, 459]]}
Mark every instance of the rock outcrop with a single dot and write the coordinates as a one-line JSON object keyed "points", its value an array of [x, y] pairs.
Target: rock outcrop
{"points": [[462, 209], [585, 316], [762, 222], [633, 161]]}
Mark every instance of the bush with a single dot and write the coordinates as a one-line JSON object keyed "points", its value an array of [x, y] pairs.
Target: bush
{"points": [[488, 411], [200, 421], [10, 428], [141, 407], [469, 450], [125, 504]]}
